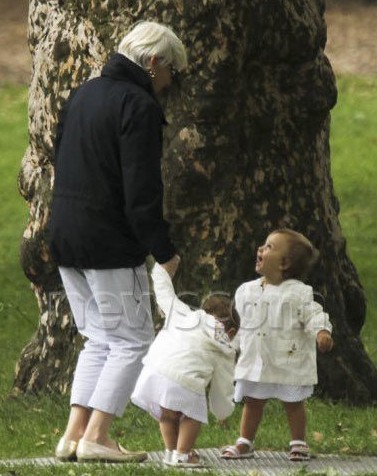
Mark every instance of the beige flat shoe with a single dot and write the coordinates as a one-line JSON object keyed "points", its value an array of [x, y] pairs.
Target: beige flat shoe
{"points": [[88, 451], [66, 450]]}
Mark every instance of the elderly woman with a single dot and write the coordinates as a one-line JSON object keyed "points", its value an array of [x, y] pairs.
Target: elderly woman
{"points": [[106, 218]]}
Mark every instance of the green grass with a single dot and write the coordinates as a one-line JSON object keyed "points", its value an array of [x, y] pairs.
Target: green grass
{"points": [[354, 156], [31, 426], [97, 470], [18, 309]]}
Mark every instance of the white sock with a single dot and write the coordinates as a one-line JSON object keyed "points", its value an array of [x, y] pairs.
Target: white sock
{"points": [[168, 455], [179, 457]]}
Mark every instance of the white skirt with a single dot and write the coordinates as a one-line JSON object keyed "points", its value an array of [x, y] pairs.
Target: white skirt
{"points": [[154, 390], [263, 391]]}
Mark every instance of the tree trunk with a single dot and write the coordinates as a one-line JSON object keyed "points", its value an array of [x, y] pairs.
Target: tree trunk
{"points": [[247, 151]]}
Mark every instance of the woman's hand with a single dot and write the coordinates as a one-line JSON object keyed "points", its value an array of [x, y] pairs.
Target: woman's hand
{"points": [[171, 266]]}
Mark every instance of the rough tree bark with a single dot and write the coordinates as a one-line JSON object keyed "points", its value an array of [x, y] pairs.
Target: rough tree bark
{"points": [[247, 151]]}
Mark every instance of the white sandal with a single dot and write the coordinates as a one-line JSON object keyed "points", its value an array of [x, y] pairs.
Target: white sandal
{"points": [[299, 451], [233, 452], [186, 460]]}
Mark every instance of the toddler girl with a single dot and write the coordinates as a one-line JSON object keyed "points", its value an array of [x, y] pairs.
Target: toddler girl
{"points": [[280, 326], [192, 351]]}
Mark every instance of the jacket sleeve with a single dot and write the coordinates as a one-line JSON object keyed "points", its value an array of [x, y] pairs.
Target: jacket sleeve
{"points": [[140, 151], [240, 304], [314, 317], [221, 390], [60, 125], [166, 298]]}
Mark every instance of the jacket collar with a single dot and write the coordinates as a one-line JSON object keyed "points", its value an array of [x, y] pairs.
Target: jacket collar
{"points": [[284, 284], [120, 68]]}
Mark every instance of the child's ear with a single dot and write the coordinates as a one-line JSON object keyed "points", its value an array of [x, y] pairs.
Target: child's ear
{"points": [[285, 263], [231, 333]]}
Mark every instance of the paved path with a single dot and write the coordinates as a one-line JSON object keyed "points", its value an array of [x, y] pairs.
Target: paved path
{"points": [[265, 463]]}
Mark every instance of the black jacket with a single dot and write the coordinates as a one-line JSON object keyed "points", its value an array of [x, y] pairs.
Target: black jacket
{"points": [[107, 204]]}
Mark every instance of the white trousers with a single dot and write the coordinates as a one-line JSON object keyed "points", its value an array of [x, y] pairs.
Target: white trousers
{"points": [[112, 309]]}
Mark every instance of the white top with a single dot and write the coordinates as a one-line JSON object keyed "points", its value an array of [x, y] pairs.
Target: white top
{"points": [[277, 338], [192, 349]]}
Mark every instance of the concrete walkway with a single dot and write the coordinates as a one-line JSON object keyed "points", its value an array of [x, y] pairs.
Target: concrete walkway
{"points": [[264, 463]]}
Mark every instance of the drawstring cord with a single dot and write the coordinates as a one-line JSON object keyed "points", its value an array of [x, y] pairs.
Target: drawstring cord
{"points": [[136, 278]]}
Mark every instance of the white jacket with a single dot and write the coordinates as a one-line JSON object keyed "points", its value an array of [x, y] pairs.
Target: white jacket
{"points": [[277, 338], [192, 349]]}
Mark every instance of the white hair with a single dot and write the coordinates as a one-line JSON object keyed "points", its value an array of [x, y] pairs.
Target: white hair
{"points": [[147, 39]]}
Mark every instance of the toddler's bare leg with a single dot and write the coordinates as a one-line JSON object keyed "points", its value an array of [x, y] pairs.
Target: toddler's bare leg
{"points": [[251, 417], [296, 419], [169, 427], [188, 432]]}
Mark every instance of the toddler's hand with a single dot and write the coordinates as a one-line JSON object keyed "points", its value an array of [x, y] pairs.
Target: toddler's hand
{"points": [[324, 341]]}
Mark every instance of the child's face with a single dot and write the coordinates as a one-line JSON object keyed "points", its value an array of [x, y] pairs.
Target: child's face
{"points": [[272, 258]]}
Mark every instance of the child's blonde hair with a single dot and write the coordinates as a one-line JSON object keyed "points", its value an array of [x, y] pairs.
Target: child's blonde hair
{"points": [[222, 307], [302, 254]]}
